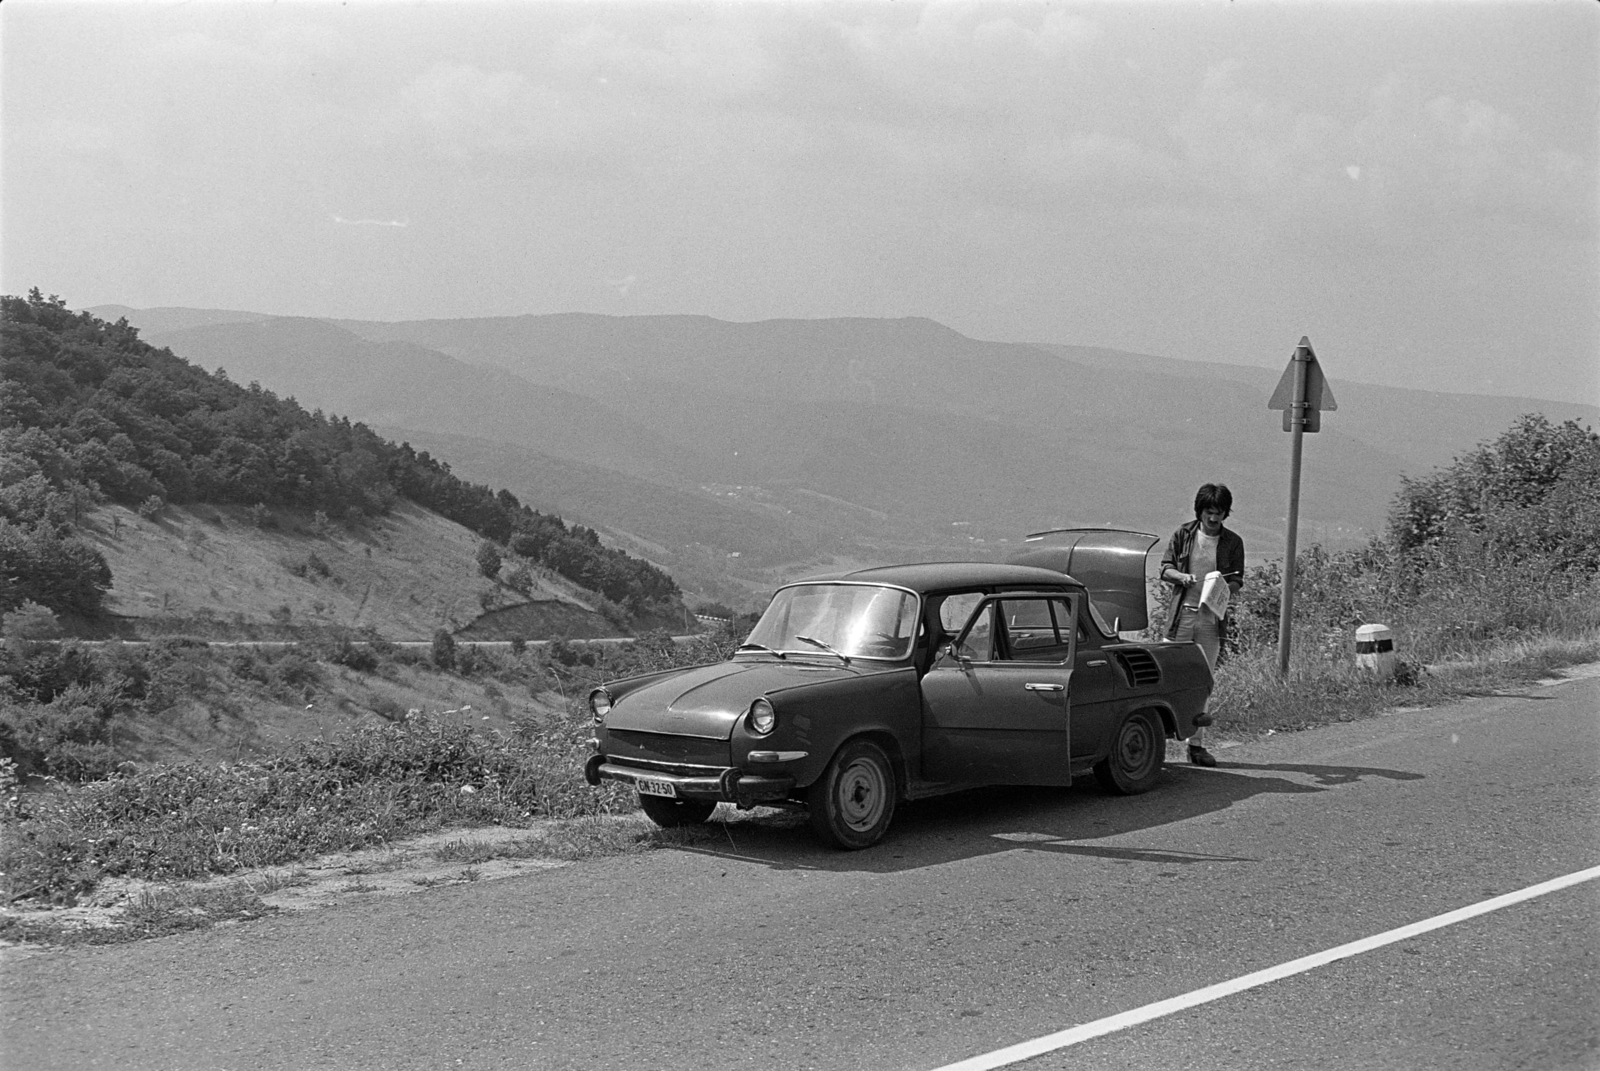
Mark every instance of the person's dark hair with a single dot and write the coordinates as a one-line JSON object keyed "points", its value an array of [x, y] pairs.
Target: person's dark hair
{"points": [[1213, 496]]}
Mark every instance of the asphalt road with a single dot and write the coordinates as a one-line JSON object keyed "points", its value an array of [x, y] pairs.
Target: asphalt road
{"points": [[984, 920]]}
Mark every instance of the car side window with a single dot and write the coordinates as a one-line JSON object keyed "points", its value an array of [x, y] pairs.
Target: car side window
{"points": [[956, 610], [978, 644], [1035, 630]]}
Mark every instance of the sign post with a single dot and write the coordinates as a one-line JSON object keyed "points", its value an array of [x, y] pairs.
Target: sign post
{"points": [[1302, 394]]}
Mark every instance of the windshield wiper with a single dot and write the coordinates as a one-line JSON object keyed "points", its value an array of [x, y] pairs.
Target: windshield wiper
{"points": [[826, 647], [760, 647]]}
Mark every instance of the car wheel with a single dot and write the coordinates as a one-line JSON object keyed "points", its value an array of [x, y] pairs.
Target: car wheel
{"points": [[1137, 753], [669, 814], [853, 801]]}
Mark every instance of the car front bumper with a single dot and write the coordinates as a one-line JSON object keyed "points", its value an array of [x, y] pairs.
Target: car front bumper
{"points": [[727, 785]]}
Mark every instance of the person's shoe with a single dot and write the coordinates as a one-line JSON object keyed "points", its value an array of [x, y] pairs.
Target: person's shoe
{"points": [[1203, 719], [1201, 757]]}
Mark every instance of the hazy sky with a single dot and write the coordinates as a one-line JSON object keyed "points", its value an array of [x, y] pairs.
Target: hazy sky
{"points": [[1414, 186]]}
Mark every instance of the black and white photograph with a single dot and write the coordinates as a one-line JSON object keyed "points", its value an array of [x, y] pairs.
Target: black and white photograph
{"points": [[877, 535]]}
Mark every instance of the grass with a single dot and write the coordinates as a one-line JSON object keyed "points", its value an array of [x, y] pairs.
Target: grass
{"points": [[155, 912], [374, 786], [1252, 698]]}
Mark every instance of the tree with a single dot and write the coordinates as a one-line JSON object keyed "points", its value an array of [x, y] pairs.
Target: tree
{"points": [[27, 623], [521, 580], [444, 649], [489, 559]]}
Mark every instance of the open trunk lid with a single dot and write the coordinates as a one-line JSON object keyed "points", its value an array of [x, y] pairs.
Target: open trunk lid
{"points": [[1110, 562]]}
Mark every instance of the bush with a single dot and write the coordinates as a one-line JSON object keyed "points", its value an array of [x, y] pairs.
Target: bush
{"points": [[489, 559], [1499, 545], [68, 738], [59, 572], [444, 649], [374, 785], [26, 623], [341, 650], [520, 580]]}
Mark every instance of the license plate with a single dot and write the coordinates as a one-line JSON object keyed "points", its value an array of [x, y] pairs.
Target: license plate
{"points": [[650, 786]]}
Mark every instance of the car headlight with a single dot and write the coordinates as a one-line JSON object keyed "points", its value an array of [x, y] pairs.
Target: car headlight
{"points": [[600, 703], [763, 719]]}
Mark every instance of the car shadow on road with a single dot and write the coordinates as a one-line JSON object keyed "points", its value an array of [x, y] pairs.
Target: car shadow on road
{"points": [[986, 821]]}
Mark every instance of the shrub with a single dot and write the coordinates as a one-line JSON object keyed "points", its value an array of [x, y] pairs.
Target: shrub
{"points": [[374, 785], [520, 580], [444, 649], [68, 738], [28, 622], [489, 559], [341, 650], [54, 570]]}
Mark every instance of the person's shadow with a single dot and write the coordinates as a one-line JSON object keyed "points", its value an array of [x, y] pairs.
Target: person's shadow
{"points": [[985, 821], [1326, 775]]}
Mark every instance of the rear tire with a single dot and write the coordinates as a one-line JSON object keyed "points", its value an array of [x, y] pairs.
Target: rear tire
{"points": [[670, 814], [1137, 753], [853, 801]]}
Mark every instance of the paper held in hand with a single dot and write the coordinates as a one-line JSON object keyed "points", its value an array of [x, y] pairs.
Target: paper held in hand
{"points": [[1214, 594]]}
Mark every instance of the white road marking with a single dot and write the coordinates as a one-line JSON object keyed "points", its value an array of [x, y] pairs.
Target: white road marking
{"points": [[1027, 1050]]}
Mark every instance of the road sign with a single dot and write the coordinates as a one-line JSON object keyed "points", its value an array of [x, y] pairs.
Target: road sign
{"points": [[1302, 394], [1317, 395]]}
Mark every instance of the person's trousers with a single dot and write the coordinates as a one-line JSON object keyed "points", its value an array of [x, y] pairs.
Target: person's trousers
{"points": [[1199, 626]]}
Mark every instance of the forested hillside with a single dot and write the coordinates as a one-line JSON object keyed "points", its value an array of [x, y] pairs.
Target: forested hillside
{"points": [[89, 413]]}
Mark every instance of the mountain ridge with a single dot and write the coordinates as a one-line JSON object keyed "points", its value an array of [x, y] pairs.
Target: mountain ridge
{"points": [[961, 445]]}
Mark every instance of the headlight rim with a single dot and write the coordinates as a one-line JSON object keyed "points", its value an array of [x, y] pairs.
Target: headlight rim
{"points": [[600, 704], [761, 710]]}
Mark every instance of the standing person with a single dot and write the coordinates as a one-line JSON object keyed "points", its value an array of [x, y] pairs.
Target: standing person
{"points": [[1199, 547]]}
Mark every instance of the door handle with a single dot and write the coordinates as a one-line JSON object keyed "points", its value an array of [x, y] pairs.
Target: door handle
{"points": [[1098, 662], [1032, 687]]}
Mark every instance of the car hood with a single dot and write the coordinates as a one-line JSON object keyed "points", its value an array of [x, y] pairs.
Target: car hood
{"points": [[707, 700], [1110, 562]]}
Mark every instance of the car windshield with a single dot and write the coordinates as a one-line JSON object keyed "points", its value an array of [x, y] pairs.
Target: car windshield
{"points": [[848, 620]]}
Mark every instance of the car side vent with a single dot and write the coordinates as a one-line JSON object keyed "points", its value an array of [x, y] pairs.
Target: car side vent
{"points": [[1140, 666]]}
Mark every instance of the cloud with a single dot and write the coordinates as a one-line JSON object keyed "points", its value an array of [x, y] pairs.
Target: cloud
{"points": [[722, 56], [1422, 166], [460, 110]]}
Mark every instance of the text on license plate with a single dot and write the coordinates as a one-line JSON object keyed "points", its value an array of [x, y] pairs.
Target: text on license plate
{"points": [[650, 786]]}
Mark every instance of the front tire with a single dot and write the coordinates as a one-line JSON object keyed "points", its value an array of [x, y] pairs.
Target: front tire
{"points": [[670, 814], [853, 801], [1137, 753]]}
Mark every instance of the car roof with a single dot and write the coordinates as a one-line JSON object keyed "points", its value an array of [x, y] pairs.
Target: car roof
{"points": [[938, 576]]}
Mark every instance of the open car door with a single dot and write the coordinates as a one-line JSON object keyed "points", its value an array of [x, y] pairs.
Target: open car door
{"points": [[1110, 562], [996, 703]]}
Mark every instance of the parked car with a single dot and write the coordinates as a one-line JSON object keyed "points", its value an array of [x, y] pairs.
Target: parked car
{"points": [[858, 691]]}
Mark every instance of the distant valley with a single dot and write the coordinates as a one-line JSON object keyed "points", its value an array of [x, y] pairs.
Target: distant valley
{"points": [[736, 455]]}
